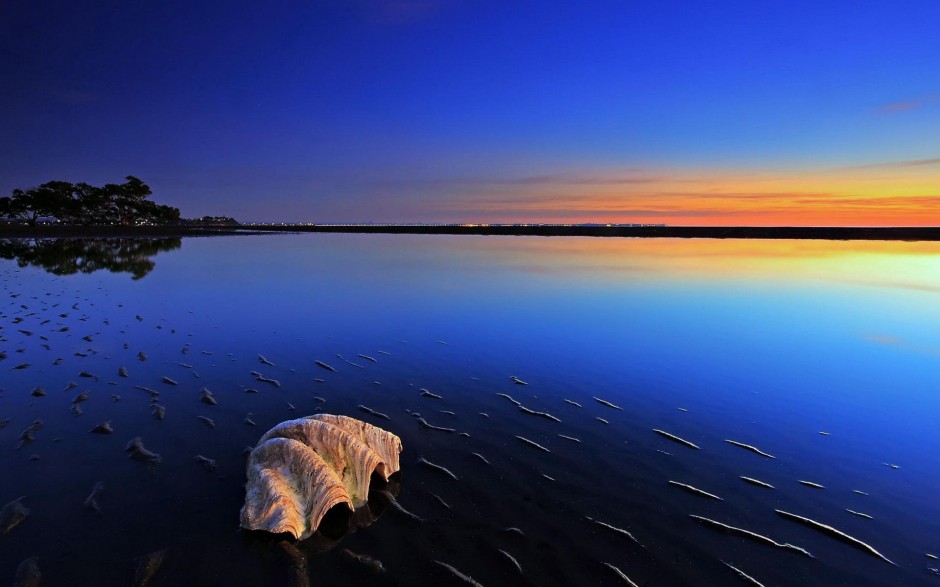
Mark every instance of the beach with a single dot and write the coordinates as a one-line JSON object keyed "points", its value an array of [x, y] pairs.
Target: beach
{"points": [[645, 370]]}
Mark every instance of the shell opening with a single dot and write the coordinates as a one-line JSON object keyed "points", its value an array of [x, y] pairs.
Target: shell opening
{"points": [[335, 522]]}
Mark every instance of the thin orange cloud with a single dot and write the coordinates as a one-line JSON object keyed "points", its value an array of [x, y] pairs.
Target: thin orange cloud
{"points": [[882, 339], [900, 107], [891, 164], [907, 105]]}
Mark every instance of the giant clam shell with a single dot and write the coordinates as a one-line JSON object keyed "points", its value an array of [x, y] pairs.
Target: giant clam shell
{"points": [[302, 468]]}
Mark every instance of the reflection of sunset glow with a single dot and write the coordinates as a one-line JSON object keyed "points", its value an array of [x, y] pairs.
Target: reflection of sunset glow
{"points": [[908, 265]]}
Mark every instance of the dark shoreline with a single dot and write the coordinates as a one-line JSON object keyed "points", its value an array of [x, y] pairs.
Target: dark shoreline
{"points": [[21, 231], [711, 232]]}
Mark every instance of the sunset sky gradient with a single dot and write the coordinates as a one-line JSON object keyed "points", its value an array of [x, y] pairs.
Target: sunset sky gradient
{"points": [[708, 113]]}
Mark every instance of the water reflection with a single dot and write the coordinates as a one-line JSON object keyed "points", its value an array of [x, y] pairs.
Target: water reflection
{"points": [[275, 559], [70, 256], [768, 344]]}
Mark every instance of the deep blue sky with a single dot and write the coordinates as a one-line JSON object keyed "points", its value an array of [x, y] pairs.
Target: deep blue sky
{"points": [[421, 110]]}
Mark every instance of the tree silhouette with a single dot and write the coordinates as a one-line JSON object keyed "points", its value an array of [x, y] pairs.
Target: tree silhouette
{"points": [[81, 203]]}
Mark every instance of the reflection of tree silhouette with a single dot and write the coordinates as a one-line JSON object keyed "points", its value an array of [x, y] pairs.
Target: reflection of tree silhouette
{"points": [[69, 256]]}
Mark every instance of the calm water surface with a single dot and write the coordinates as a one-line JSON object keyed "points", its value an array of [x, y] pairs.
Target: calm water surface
{"points": [[766, 343]]}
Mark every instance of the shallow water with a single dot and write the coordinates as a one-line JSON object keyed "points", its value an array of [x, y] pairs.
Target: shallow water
{"points": [[765, 343]]}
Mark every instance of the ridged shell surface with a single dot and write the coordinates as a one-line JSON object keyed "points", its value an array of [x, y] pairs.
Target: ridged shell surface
{"points": [[302, 468]]}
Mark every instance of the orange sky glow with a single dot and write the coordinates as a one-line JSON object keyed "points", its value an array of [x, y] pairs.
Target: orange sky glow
{"points": [[891, 194]]}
